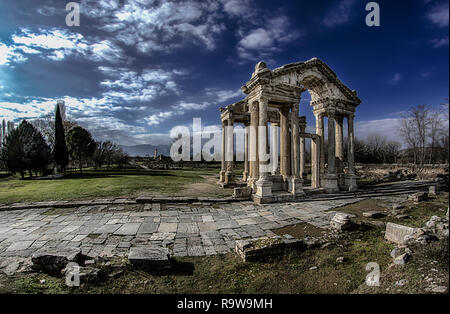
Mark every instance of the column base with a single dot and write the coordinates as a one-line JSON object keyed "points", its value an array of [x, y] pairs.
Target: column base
{"points": [[350, 182], [229, 178], [263, 193], [221, 177], [331, 183], [277, 182], [296, 186], [245, 176]]}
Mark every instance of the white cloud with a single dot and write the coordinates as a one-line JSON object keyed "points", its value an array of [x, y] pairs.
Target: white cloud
{"points": [[388, 127], [438, 14], [395, 79], [261, 42], [130, 85], [56, 44], [9, 55], [156, 119], [221, 96], [190, 106], [339, 15], [152, 26], [438, 43]]}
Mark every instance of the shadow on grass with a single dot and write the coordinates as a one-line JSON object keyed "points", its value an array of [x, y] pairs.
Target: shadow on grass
{"points": [[178, 268], [107, 174]]}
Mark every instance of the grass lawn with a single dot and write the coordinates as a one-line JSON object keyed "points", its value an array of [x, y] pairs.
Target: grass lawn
{"points": [[99, 184]]}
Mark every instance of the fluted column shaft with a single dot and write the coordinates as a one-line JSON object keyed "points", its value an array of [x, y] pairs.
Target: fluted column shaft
{"points": [[285, 149], [331, 145], [351, 145], [295, 141], [302, 153]]}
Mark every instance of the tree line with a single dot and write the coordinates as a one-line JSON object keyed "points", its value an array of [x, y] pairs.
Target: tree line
{"points": [[34, 146], [426, 134]]}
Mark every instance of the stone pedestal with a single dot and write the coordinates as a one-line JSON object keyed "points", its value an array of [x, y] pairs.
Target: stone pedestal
{"points": [[277, 182], [296, 186], [263, 191], [229, 178], [222, 177], [350, 182], [331, 183]]}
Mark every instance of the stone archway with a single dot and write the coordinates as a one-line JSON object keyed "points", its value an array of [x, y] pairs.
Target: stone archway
{"points": [[273, 96]]}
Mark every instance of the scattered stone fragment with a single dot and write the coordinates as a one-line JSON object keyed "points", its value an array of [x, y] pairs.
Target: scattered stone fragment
{"points": [[401, 282], [313, 268], [53, 260], [419, 197], [439, 289], [398, 206], [341, 222], [340, 259], [86, 274], [402, 216], [260, 248], [150, 257], [397, 233], [12, 265], [432, 190], [373, 214], [402, 259]]}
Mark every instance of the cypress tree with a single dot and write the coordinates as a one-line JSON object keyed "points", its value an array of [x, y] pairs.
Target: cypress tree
{"points": [[61, 152]]}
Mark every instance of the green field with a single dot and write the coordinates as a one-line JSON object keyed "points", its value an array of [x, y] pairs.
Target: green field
{"points": [[106, 184]]}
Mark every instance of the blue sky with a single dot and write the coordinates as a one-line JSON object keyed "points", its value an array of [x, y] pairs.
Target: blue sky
{"points": [[134, 69]]}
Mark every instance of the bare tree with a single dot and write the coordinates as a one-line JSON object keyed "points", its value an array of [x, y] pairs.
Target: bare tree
{"points": [[414, 129], [435, 131]]}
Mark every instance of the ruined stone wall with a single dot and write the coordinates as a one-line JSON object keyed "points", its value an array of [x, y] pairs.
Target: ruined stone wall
{"points": [[399, 171]]}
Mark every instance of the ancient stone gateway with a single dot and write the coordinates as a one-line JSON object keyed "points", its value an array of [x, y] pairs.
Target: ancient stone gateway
{"points": [[273, 97]]}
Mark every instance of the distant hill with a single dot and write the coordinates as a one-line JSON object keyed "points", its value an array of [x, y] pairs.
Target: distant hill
{"points": [[145, 150]]}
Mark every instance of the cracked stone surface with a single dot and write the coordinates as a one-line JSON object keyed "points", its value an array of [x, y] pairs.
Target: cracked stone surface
{"points": [[196, 230]]}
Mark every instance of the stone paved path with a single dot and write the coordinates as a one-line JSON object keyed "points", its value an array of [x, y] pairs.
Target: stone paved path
{"points": [[197, 229]]}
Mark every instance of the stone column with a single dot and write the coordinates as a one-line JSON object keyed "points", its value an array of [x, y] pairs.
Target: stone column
{"points": [[315, 164], [350, 180], [331, 178], [295, 141], [263, 185], [339, 153], [321, 162], [246, 172], [223, 167], [253, 145], [302, 153], [229, 175], [275, 149], [285, 149], [339, 138], [296, 183]]}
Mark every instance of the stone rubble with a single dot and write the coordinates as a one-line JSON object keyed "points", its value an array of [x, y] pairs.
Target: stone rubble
{"points": [[341, 222], [53, 261], [149, 257]]}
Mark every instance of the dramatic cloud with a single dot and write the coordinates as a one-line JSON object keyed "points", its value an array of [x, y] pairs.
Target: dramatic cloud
{"points": [[159, 26], [57, 44], [263, 42], [9, 55], [133, 86]]}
